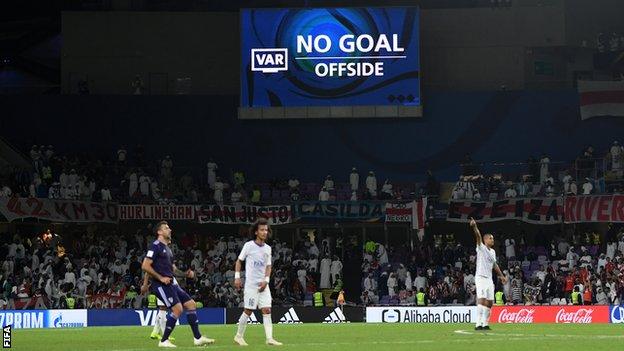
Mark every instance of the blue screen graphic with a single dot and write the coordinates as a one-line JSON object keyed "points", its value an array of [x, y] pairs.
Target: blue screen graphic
{"points": [[330, 57]]}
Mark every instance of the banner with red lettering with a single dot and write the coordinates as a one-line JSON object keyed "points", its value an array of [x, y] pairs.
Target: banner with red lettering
{"points": [[594, 208], [549, 314], [157, 212], [546, 210], [58, 210], [243, 214]]}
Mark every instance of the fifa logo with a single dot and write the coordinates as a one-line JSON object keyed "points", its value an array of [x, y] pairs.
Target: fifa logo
{"points": [[269, 60]]}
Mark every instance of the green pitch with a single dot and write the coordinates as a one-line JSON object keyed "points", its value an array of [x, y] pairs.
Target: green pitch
{"points": [[330, 337]]}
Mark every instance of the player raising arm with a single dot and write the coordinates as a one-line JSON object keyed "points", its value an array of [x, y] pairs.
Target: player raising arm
{"points": [[486, 261]]}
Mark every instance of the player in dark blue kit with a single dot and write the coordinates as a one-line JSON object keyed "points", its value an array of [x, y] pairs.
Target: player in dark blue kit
{"points": [[158, 263]]}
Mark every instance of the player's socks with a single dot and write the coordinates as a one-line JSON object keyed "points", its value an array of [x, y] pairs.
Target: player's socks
{"points": [[171, 322], [478, 321], [486, 316], [156, 332], [191, 316], [161, 319], [242, 324], [268, 326]]}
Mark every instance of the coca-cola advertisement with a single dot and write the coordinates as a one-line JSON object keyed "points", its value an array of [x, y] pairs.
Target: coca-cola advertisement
{"points": [[550, 314]]}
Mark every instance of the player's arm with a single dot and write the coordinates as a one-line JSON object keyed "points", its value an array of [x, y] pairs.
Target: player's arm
{"points": [[147, 268], [145, 285], [500, 274], [237, 270], [475, 230]]}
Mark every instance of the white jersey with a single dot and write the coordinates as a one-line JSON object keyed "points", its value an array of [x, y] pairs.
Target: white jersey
{"points": [[485, 261], [256, 258]]}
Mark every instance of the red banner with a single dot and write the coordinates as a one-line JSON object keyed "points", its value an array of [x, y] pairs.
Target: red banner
{"points": [[105, 301], [541, 210], [550, 314], [58, 210], [157, 212], [596, 208]]}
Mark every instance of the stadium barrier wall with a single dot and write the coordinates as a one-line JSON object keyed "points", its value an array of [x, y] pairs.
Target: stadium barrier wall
{"points": [[555, 314], [36, 319], [443, 314], [145, 317], [300, 315]]}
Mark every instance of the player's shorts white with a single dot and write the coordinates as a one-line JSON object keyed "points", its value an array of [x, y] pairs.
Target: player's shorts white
{"points": [[255, 299], [160, 303], [485, 288]]}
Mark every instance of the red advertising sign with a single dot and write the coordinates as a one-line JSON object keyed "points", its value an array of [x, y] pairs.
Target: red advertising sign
{"points": [[58, 210], [597, 208], [550, 314]]}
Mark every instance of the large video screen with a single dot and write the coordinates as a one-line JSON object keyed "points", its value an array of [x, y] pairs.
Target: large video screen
{"points": [[330, 57]]}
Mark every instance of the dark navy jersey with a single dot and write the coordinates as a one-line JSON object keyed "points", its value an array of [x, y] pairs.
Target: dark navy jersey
{"points": [[162, 258]]}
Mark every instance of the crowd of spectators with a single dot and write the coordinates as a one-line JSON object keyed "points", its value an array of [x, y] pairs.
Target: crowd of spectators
{"points": [[103, 269], [587, 174], [444, 271]]}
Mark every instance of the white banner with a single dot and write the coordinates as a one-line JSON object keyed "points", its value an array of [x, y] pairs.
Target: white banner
{"points": [[29, 319], [400, 314]]}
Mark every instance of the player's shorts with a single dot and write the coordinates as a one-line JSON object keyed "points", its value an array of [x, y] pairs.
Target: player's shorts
{"points": [[159, 303], [170, 295], [485, 288], [255, 299]]}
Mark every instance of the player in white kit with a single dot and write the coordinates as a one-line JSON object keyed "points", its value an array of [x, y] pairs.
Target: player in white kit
{"points": [[486, 261], [257, 256]]}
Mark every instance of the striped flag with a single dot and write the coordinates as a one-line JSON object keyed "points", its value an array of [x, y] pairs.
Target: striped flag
{"points": [[419, 218], [601, 98]]}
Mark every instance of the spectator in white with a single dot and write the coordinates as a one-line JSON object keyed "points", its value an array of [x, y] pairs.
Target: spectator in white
{"points": [[236, 196], [408, 281], [70, 276], [523, 188], [218, 190], [70, 193], [392, 284], [212, 172], [293, 183], [144, 184], [301, 276], [323, 194], [611, 247], [5, 191], [573, 188], [155, 190], [601, 297], [368, 283], [121, 154], [382, 254], [371, 183], [313, 263], [354, 179], [64, 179], [510, 192], [133, 183], [386, 189], [544, 163], [420, 282], [336, 268], [354, 196], [572, 257], [617, 153], [32, 192], [329, 183], [166, 167], [325, 273], [88, 188], [510, 248], [106, 194], [602, 262], [458, 192], [73, 178], [587, 187]]}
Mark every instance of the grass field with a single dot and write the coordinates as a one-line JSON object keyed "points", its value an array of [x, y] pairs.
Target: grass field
{"points": [[352, 337]]}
